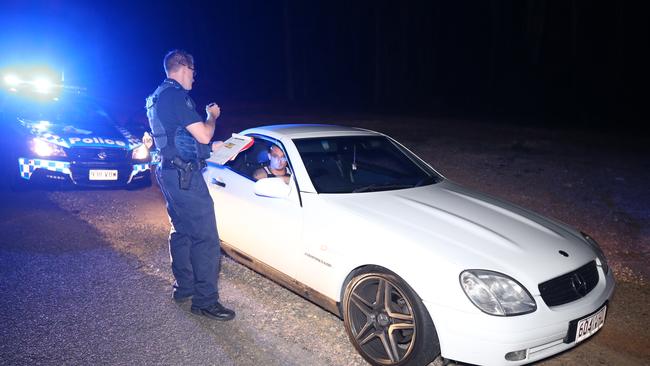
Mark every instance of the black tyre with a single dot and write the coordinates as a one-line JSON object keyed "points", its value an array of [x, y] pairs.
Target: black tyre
{"points": [[387, 322]]}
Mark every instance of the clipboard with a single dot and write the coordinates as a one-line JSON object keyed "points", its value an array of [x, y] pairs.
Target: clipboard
{"points": [[230, 148]]}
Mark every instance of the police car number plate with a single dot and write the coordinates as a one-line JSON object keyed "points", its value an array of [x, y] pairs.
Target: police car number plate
{"points": [[590, 325], [95, 174]]}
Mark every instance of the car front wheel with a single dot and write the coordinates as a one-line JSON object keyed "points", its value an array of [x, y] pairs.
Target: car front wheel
{"points": [[387, 322]]}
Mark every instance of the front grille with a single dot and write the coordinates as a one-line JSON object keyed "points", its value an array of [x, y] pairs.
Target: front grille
{"points": [[571, 286], [98, 154]]}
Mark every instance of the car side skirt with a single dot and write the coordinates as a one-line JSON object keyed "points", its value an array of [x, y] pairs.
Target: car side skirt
{"points": [[284, 280]]}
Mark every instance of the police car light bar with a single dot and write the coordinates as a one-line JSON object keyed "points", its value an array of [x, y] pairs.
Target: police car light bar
{"points": [[42, 85], [12, 80], [39, 84]]}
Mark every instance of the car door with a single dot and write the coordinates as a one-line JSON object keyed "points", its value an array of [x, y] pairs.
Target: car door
{"points": [[267, 229]]}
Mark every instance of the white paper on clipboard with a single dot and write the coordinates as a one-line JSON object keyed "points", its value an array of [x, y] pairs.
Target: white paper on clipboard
{"points": [[230, 148]]}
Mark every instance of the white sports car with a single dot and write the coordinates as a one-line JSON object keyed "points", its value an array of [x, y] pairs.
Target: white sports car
{"points": [[416, 265]]}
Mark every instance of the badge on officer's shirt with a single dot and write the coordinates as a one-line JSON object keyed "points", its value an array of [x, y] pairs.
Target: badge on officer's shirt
{"points": [[189, 103]]}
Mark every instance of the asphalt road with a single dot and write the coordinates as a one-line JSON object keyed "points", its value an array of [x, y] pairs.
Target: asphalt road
{"points": [[86, 280], [73, 294]]}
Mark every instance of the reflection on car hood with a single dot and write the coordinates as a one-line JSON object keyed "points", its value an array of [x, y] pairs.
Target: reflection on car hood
{"points": [[472, 229], [107, 136]]}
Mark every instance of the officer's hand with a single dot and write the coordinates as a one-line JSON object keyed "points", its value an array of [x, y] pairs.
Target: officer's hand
{"points": [[213, 110], [216, 145]]}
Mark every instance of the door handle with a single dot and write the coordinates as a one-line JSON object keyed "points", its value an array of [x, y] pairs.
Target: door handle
{"points": [[218, 182]]}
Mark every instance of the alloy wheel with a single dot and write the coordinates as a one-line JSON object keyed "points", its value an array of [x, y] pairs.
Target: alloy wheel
{"points": [[382, 320]]}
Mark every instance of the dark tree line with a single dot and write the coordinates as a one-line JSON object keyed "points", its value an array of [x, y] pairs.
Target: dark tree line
{"points": [[581, 59]]}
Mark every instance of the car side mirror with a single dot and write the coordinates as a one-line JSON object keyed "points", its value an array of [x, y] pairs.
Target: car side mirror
{"points": [[272, 187]]}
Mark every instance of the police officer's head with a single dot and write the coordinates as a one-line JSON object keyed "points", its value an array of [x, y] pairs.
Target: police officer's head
{"points": [[179, 65]]}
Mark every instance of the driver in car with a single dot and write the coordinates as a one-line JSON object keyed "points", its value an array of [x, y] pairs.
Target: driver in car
{"points": [[277, 166]]}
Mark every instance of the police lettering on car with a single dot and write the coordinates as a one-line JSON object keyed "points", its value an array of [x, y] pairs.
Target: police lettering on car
{"points": [[95, 140]]}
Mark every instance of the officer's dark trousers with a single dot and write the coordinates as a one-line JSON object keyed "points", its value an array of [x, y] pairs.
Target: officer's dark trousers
{"points": [[193, 241]]}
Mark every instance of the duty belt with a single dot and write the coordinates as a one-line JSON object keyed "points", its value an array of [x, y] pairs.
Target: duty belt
{"points": [[198, 164]]}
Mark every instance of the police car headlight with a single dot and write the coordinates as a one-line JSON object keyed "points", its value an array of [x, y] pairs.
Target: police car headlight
{"points": [[140, 153], [44, 148]]}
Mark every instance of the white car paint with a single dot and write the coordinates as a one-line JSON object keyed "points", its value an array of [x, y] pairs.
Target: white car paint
{"points": [[427, 235]]}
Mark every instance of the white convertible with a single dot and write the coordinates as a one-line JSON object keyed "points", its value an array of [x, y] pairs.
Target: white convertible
{"points": [[416, 265]]}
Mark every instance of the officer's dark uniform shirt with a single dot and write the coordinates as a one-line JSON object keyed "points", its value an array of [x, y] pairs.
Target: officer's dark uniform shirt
{"points": [[177, 110]]}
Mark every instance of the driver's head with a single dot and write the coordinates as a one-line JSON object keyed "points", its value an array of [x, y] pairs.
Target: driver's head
{"points": [[277, 159]]}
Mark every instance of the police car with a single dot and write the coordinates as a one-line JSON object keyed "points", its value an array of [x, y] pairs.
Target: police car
{"points": [[59, 135]]}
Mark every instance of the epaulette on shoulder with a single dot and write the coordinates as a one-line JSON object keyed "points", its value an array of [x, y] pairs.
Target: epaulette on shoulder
{"points": [[171, 83]]}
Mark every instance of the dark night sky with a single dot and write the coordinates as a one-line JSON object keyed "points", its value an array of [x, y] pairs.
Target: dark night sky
{"points": [[581, 62]]}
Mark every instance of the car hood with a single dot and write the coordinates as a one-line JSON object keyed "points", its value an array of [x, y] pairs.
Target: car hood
{"points": [[69, 136], [472, 229]]}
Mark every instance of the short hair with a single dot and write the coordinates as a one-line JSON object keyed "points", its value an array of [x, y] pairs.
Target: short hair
{"points": [[175, 58]]}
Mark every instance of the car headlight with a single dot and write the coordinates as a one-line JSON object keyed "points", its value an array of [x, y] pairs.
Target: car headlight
{"points": [[495, 293], [44, 148], [599, 252], [140, 153]]}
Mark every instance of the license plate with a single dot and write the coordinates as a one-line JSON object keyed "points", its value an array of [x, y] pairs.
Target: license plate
{"points": [[102, 174], [588, 326]]}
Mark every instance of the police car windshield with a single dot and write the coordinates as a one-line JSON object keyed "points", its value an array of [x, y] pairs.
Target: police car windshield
{"points": [[78, 112]]}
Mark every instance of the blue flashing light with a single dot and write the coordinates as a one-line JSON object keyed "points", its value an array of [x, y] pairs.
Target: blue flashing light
{"points": [[43, 85], [12, 80], [38, 83], [32, 82]]}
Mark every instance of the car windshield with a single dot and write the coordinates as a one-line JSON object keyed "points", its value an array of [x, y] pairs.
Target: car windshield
{"points": [[81, 113], [352, 164]]}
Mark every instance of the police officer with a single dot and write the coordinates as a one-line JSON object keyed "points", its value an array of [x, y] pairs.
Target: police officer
{"points": [[183, 139]]}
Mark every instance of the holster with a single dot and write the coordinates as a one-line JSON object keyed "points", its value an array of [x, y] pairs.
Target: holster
{"points": [[185, 170]]}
